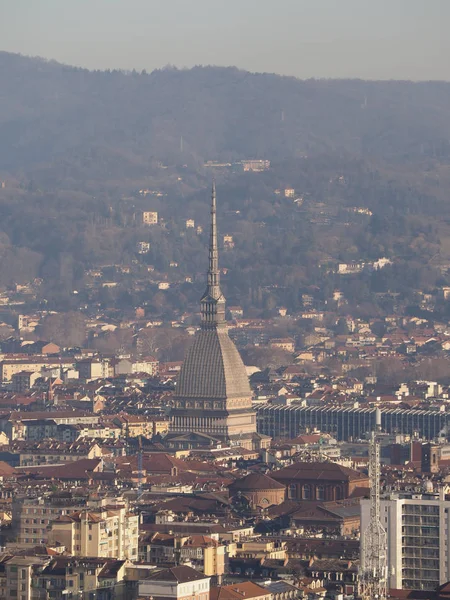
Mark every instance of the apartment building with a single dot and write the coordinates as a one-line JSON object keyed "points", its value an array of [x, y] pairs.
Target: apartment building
{"points": [[418, 534], [94, 368], [64, 577], [11, 366], [127, 366], [33, 515], [42, 425], [202, 552], [17, 576], [136, 425], [52, 452], [109, 531], [24, 380]]}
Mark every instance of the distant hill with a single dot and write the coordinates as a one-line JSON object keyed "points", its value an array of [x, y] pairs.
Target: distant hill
{"points": [[83, 153], [112, 123]]}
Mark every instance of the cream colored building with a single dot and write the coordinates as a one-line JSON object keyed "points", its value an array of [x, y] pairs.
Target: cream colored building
{"points": [[32, 516], [58, 453], [261, 549], [67, 578], [9, 367], [17, 578], [206, 554], [150, 217], [109, 531]]}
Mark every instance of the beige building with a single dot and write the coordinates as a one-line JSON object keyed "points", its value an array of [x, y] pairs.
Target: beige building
{"points": [[57, 453], [64, 577], [150, 217], [205, 554], [32, 516], [9, 367], [255, 165], [109, 531], [287, 344], [18, 576], [126, 366], [24, 380], [93, 368], [136, 425], [228, 241], [261, 549]]}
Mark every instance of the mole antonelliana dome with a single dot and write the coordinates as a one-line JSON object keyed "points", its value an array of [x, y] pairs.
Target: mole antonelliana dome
{"points": [[213, 395]]}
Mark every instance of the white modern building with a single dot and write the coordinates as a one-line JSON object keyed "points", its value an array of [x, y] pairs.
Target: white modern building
{"points": [[418, 534], [175, 583]]}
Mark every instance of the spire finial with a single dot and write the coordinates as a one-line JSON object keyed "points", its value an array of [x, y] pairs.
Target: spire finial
{"points": [[213, 301], [213, 249]]}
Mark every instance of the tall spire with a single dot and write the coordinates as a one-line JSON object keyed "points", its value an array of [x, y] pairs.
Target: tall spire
{"points": [[213, 270], [213, 301]]}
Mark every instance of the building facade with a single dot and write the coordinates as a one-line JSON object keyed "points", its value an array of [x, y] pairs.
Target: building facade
{"points": [[176, 583], [110, 531], [213, 395], [347, 423], [418, 539], [320, 481]]}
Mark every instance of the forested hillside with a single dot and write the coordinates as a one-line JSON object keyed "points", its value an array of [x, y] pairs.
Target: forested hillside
{"points": [[78, 147], [98, 122]]}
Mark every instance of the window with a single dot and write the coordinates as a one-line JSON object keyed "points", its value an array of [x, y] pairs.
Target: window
{"points": [[320, 492], [292, 491], [307, 492]]}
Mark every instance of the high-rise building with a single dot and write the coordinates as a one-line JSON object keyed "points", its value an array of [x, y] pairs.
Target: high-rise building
{"points": [[213, 395], [418, 539]]}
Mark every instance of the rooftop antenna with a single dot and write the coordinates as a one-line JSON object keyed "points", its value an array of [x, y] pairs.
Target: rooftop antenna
{"points": [[373, 570], [140, 472]]}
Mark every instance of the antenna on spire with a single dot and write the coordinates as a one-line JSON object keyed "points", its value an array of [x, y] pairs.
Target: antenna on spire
{"points": [[213, 301], [213, 270]]}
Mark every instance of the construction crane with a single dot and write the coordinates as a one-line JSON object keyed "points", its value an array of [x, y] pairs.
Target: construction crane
{"points": [[373, 569]]}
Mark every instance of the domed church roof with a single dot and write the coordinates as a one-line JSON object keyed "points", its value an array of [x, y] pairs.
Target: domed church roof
{"points": [[213, 368]]}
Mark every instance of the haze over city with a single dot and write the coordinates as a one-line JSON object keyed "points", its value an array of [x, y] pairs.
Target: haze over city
{"points": [[224, 300], [368, 39]]}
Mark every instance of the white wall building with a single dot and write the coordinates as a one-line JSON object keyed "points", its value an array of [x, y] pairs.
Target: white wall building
{"points": [[418, 534], [176, 583]]}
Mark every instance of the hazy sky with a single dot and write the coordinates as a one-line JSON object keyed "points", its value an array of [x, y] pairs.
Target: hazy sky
{"points": [[381, 39]]}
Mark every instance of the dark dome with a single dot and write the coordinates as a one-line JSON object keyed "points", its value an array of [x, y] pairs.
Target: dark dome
{"points": [[213, 369], [255, 481]]}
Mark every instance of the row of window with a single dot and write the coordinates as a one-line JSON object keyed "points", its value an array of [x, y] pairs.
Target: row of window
{"points": [[307, 492]]}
